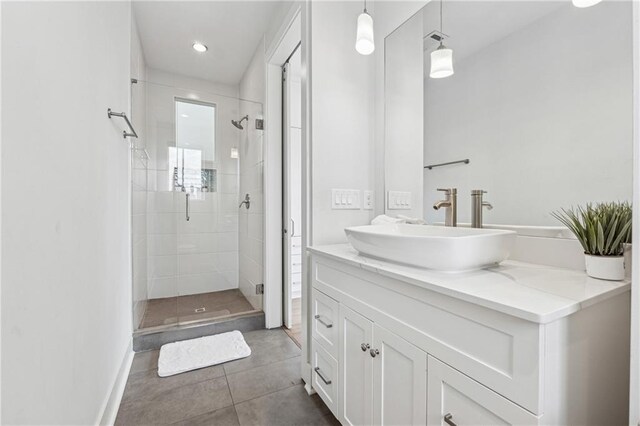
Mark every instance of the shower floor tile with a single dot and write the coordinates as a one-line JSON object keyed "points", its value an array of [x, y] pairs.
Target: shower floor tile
{"points": [[194, 307]]}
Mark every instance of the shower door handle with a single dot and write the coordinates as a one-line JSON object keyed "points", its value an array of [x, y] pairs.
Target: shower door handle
{"points": [[187, 207]]}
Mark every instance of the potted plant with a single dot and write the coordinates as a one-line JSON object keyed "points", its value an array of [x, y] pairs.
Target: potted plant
{"points": [[603, 229]]}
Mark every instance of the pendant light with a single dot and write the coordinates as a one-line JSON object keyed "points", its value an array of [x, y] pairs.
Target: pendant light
{"points": [[364, 33], [441, 58], [585, 3]]}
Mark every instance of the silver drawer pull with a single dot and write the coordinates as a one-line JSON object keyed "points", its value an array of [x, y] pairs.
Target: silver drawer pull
{"points": [[447, 419], [319, 373], [326, 324], [364, 347], [374, 352]]}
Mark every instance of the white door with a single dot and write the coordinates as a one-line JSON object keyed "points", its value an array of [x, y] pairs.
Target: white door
{"points": [[356, 369], [286, 196], [456, 399], [292, 188], [399, 380]]}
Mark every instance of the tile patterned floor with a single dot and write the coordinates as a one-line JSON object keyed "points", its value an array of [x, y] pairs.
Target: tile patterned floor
{"points": [[263, 389], [170, 310]]}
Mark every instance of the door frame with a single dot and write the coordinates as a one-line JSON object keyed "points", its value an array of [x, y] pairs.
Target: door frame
{"points": [[284, 43], [293, 31]]}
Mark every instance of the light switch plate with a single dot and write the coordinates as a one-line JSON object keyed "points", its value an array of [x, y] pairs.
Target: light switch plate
{"points": [[368, 200], [398, 200], [345, 199]]}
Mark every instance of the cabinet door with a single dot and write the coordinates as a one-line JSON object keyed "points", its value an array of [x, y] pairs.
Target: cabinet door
{"points": [[399, 380], [356, 392], [455, 399]]}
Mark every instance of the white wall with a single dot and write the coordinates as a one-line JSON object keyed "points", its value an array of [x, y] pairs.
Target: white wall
{"points": [[199, 255], [251, 221], [544, 115], [66, 277], [342, 111]]}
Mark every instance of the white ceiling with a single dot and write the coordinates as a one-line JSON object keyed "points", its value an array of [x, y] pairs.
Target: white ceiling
{"points": [[474, 25], [230, 29]]}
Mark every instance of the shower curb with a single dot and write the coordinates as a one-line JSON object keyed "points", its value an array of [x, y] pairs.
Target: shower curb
{"points": [[154, 340]]}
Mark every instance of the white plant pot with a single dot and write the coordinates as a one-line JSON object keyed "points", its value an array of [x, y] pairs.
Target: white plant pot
{"points": [[605, 267]]}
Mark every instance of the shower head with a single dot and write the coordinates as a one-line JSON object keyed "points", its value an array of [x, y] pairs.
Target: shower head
{"points": [[238, 123]]}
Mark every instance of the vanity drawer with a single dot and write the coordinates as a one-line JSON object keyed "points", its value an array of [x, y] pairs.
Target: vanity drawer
{"points": [[462, 401], [325, 376], [324, 318]]}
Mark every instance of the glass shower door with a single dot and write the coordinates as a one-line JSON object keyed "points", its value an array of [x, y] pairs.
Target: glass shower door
{"points": [[203, 254]]}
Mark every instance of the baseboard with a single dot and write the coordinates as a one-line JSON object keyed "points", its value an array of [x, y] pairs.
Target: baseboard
{"points": [[107, 415], [306, 378]]}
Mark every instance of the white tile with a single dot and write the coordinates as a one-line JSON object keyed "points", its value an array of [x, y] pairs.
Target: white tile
{"points": [[189, 264], [160, 202], [226, 261], [254, 272], [197, 223], [229, 203], [197, 243], [227, 183], [139, 224], [152, 177], [255, 251], [162, 244], [255, 226], [163, 181], [162, 266], [226, 241], [201, 202], [162, 223], [163, 287], [139, 178], [203, 283], [139, 202], [227, 223], [231, 277]]}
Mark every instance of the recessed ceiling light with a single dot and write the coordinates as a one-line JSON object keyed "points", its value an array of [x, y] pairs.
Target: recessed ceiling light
{"points": [[199, 47]]}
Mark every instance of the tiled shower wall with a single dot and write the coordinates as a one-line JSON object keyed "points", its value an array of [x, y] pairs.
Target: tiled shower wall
{"points": [[251, 228], [199, 255], [139, 233]]}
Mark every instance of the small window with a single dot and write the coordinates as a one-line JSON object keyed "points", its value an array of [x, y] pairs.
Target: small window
{"points": [[194, 153]]}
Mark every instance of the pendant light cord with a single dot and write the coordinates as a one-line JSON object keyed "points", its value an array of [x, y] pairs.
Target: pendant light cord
{"points": [[441, 33], [365, 6]]}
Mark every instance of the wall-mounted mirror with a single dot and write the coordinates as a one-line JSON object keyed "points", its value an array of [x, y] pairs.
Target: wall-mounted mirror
{"points": [[540, 103]]}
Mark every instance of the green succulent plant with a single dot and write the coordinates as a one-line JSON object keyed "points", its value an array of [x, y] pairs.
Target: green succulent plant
{"points": [[601, 228]]}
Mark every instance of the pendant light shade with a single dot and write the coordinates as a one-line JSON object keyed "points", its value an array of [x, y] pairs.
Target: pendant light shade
{"points": [[441, 58], [585, 3], [441, 62], [364, 34]]}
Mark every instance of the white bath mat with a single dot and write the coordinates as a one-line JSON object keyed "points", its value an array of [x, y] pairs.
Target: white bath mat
{"points": [[187, 355]]}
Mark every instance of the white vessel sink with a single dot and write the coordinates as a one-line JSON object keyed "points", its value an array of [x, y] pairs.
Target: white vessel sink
{"points": [[433, 247]]}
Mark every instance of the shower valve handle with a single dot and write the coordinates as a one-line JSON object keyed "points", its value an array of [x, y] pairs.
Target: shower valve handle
{"points": [[246, 202]]}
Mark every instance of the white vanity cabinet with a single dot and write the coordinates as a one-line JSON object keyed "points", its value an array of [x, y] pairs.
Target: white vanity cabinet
{"points": [[383, 378], [391, 348]]}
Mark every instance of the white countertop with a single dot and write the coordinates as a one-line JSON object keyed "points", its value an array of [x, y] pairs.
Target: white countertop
{"points": [[535, 293]]}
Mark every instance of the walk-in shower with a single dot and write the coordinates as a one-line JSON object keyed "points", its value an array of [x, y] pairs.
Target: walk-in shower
{"points": [[197, 257]]}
